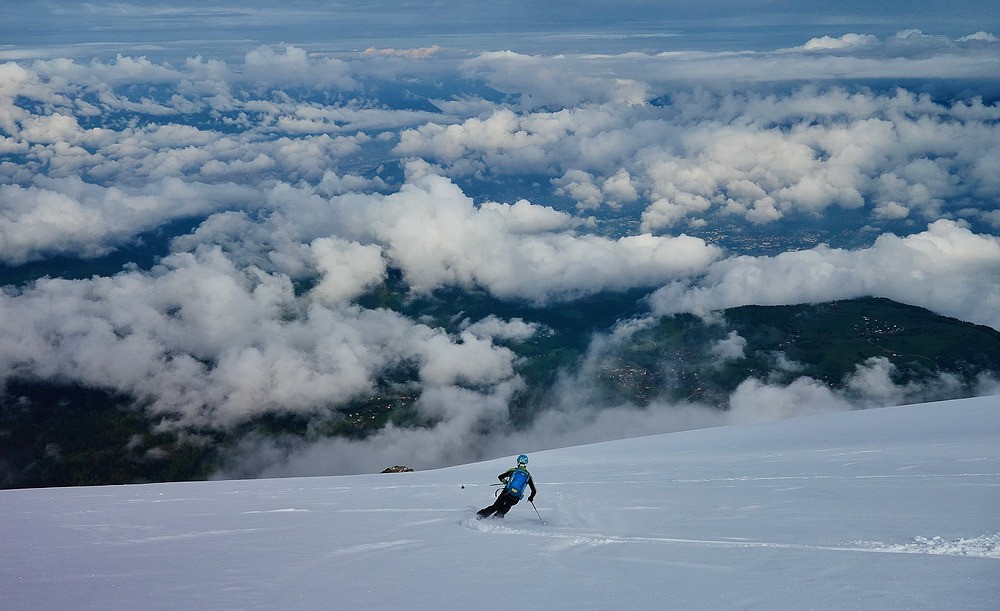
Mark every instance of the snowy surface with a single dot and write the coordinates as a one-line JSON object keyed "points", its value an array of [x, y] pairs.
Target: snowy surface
{"points": [[895, 508]]}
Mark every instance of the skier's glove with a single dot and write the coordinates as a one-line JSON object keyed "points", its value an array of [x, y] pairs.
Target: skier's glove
{"points": [[531, 498]]}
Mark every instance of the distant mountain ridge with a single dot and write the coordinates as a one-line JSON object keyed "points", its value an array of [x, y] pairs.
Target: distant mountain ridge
{"points": [[57, 433]]}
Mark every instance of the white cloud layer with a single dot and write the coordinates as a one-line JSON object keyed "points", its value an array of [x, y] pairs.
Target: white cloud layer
{"points": [[437, 237], [313, 180], [66, 216], [207, 344], [947, 269], [572, 420], [760, 157], [432, 232]]}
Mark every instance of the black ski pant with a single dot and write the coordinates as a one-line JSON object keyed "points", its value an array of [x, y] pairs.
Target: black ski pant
{"points": [[500, 507]]}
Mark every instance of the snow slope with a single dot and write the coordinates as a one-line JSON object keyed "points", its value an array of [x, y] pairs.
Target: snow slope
{"points": [[895, 508]]}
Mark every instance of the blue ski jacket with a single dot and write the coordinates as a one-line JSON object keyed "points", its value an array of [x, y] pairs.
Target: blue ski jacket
{"points": [[503, 477]]}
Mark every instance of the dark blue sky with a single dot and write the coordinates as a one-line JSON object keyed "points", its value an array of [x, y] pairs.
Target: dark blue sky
{"points": [[599, 26]]}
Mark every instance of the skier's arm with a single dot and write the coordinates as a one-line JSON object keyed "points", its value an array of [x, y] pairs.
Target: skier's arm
{"points": [[531, 484], [503, 476]]}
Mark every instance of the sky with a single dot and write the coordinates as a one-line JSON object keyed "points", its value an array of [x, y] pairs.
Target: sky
{"points": [[891, 508], [42, 26], [292, 156]]}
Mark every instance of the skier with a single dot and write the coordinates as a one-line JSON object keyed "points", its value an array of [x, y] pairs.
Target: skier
{"points": [[514, 479]]}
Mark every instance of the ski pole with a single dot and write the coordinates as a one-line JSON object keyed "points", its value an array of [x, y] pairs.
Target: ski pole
{"points": [[536, 513]]}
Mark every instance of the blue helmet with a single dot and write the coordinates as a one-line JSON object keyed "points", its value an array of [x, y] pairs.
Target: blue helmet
{"points": [[522, 459]]}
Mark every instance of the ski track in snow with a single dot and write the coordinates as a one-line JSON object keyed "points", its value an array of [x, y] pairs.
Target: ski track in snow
{"points": [[190, 535], [985, 546], [369, 547]]}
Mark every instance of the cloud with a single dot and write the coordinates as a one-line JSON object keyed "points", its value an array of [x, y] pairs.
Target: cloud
{"points": [[434, 234], [619, 188], [523, 217], [291, 159], [578, 415], [335, 184], [211, 338], [207, 344], [857, 149], [551, 81], [847, 41], [947, 269], [478, 426], [493, 327], [762, 157], [291, 66], [755, 401], [418, 53], [580, 186], [460, 415], [979, 36], [568, 80], [66, 216], [732, 348], [347, 269], [505, 139]]}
